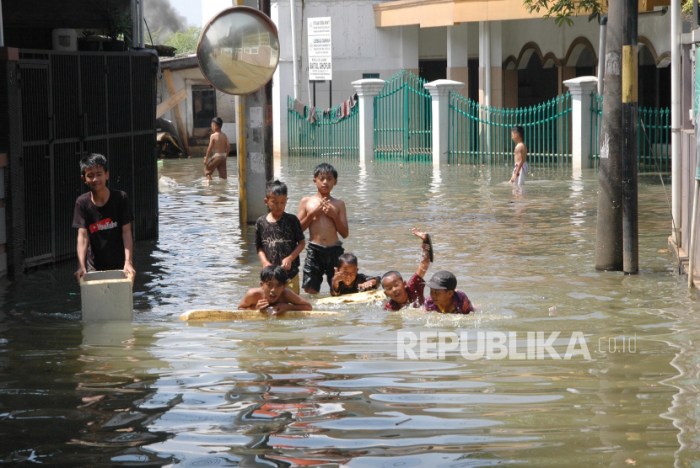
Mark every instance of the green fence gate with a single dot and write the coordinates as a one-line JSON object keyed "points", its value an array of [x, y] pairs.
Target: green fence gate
{"points": [[481, 135], [324, 133], [403, 119], [653, 136]]}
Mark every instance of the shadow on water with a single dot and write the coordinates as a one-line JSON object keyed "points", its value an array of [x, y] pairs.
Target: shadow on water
{"points": [[367, 388]]}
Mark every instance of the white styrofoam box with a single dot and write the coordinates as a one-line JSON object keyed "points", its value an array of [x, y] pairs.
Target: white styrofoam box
{"points": [[106, 295]]}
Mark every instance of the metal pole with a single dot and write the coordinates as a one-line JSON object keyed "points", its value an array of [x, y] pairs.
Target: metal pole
{"points": [[630, 215], [295, 59], [603, 22]]}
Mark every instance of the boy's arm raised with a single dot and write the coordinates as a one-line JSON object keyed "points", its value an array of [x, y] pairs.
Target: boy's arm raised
{"points": [[426, 247]]}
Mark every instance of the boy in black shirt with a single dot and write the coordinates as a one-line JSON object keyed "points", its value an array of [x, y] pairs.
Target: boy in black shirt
{"points": [[278, 236], [103, 218], [347, 280]]}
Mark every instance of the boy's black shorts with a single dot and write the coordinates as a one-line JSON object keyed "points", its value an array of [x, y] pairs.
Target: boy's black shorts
{"points": [[320, 260]]}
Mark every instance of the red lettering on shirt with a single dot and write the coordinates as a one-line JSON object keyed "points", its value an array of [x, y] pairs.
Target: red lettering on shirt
{"points": [[102, 225]]}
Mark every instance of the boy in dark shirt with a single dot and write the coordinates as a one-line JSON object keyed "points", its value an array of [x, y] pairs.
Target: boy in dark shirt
{"points": [[103, 218], [278, 236], [402, 294], [347, 280]]}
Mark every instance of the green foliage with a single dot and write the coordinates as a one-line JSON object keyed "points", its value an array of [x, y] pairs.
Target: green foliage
{"points": [[563, 10], [185, 42]]}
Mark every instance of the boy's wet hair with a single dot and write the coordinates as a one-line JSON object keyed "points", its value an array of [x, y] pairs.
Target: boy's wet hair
{"points": [[273, 272], [276, 187], [325, 168], [93, 160], [391, 273], [519, 130], [218, 121], [347, 259]]}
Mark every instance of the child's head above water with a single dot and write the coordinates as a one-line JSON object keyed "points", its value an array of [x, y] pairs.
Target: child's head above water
{"points": [[218, 121], [273, 272], [276, 198], [347, 265], [325, 169], [92, 161], [276, 188]]}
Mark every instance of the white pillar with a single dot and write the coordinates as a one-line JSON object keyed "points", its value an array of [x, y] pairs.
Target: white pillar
{"points": [[440, 96], [676, 169], [581, 89], [366, 90]]}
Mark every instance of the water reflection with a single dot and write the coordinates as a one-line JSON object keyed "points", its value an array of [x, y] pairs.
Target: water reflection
{"points": [[334, 390]]}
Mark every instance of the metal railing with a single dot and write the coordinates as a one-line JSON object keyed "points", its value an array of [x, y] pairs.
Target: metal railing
{"points": [[480, 134], [653, 136], [325, 133], [403, 119]]}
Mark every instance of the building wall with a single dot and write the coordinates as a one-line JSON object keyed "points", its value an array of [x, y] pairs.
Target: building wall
{"points": [[188, 77], [360, 47]]}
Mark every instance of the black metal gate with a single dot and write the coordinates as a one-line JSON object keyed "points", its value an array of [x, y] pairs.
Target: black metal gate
{"points": [[72, 104]]}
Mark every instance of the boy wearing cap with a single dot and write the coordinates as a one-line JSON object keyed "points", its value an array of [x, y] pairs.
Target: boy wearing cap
{"points": [[444, 297], [219, 148]]}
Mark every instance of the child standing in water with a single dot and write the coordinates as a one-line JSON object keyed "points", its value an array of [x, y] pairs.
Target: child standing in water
{"points": [[517, 133], [279, 238], [218, 150], [103, 219], [326, 219]]}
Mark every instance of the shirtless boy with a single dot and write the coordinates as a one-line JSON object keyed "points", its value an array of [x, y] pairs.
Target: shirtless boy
{"points": [[517, 133], [218, 150], [273, 293], [326, 219]]}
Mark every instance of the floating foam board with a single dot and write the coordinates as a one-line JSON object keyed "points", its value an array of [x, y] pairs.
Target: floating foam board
{"points": [[365, 296], [106, 296], [217, 315]]}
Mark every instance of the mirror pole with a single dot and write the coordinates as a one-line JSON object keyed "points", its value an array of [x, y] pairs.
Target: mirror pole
{"points": [[241, 157]]}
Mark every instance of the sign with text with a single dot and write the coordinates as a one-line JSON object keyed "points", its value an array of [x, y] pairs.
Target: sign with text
{"points": [[320, 51]]}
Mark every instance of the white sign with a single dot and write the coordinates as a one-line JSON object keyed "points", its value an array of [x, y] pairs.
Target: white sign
{"points": [[320, 49]]}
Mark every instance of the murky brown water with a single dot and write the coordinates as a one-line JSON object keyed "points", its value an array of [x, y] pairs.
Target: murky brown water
{"points": [[335, 390]]}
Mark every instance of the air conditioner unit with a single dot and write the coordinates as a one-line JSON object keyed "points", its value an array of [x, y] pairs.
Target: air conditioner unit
{"points": [[65, 40]]}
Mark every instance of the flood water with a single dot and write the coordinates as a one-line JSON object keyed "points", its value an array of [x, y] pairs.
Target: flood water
{"points": [[560, 365]]}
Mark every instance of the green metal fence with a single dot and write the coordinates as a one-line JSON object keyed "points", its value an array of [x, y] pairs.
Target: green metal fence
{"points": [[481, 135], [403, 119], [653, 136], [332, 132]]}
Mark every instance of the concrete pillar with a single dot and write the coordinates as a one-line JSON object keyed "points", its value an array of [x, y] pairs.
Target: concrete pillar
{"points": [[490, 63], [440, 95], [366, 90], [581, 89], [458, 55]]}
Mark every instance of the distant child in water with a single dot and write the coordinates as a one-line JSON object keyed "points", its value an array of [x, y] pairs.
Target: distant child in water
{"points": [[347, 280], [444, 296], [273, 293], [218, 150], [278, 236], [399, 292], [327, 221]]}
